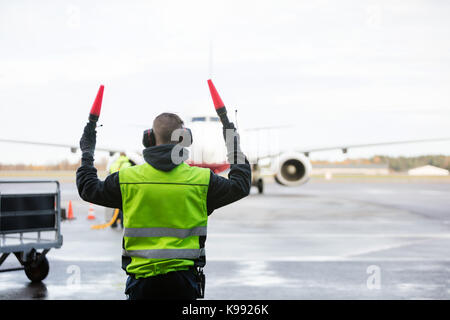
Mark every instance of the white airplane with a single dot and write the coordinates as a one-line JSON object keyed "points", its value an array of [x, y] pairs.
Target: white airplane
{"points": [[289, 168]]}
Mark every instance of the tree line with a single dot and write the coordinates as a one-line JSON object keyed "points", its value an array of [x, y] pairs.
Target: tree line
{"points": [[63, 165], [395, 163], [406, 163]]}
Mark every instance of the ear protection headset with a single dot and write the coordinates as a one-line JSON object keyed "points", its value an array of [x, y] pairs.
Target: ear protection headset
{"points": [[148, 139]]}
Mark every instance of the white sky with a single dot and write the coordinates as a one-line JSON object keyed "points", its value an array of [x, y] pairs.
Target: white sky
{"points": [[342, 72]]}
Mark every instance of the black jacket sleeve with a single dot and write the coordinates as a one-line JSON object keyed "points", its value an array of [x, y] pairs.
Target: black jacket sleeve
{"points": [[91, 189], [223, 191]]}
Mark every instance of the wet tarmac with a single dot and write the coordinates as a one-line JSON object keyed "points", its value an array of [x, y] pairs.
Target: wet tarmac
{"points": [[324, 240]]}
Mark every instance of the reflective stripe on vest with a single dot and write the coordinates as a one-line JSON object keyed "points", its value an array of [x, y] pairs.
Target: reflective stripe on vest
{"points": [[191, 254], [164, 232]]}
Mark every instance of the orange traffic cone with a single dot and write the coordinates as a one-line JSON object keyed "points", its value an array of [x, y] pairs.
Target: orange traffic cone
{"points": [[91, 215], [70, 213]]}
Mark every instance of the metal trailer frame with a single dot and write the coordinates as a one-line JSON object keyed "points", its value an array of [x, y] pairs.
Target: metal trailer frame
{"points": [[34, 263]]}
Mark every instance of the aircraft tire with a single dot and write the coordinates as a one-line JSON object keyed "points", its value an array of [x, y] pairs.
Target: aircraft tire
{"points": [[260, 186]]}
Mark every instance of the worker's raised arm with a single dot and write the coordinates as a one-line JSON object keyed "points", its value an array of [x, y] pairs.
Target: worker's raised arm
{"points": [[90, 188], [224, 191]]}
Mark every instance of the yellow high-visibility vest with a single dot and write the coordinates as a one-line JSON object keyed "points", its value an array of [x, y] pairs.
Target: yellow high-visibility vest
{"points": [[165, 218]]}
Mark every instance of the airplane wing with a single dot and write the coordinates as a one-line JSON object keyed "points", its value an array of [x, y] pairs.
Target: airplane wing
{"points": [[266, 128], [306, 152], [345, 148], [73, 148]]}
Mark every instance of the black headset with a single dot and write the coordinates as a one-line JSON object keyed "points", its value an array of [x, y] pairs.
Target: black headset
{"points": [[148, 138]]}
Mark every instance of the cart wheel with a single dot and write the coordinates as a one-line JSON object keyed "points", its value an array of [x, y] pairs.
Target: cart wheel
{"points": [[37, 270]]}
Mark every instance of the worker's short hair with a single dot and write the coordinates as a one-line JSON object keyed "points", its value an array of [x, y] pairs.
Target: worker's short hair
{"points": [[164, 125]]}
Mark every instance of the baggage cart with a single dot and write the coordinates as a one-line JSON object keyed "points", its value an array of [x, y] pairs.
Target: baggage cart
{"points": [[29, 222]]}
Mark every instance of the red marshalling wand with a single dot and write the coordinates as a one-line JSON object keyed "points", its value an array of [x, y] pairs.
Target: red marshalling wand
{"points": [[97, 106], [219, 105]]}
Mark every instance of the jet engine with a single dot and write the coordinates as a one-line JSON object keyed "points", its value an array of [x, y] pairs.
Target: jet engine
{"points": [[292, 169]]}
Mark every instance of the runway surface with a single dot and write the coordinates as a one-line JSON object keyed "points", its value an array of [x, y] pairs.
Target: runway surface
{"points": [[335, 239]]}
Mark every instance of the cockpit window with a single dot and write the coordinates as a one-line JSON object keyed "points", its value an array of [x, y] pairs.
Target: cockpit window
{"points": [[198, 119]]}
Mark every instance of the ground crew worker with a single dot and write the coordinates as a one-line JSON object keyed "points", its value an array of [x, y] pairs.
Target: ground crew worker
{"points": [[121, 162], [166, 205]]}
